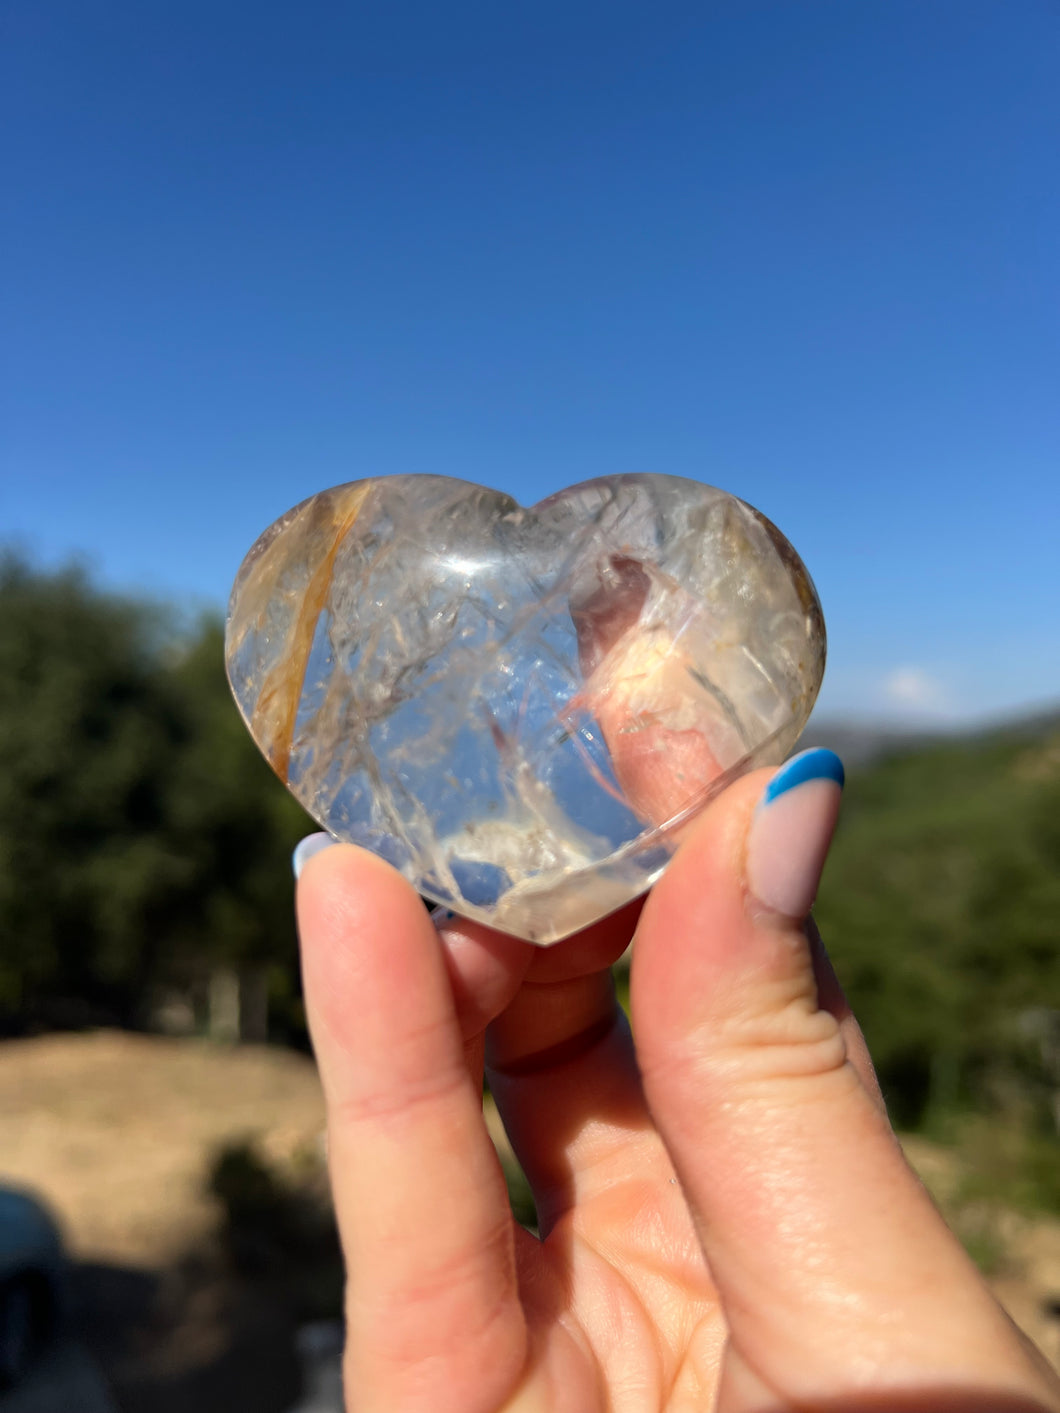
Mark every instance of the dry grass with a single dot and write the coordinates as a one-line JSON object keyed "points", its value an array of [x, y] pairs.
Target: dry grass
{"points": [[117, 1133]]}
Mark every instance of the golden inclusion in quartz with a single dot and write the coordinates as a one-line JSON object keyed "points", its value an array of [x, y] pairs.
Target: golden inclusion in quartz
{"points": [[519, 709]]}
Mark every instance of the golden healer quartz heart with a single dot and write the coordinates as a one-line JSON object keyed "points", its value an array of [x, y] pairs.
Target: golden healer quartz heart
{"points": [[519, 709]]}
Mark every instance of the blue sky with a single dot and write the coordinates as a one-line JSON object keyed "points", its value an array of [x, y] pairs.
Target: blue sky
{"points": [[806, 250]]}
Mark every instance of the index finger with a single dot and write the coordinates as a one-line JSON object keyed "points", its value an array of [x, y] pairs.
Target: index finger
{"points": [[422, 1207]]}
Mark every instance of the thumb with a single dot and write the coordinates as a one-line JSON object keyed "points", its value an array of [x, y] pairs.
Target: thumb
{"points": [[827, 1253]]}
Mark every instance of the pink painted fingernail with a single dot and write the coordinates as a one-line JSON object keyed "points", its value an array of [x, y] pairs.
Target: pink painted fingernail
{"points": [[791, 830]]}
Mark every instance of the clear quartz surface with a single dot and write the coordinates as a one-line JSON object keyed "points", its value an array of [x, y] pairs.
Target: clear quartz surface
{"points": [[520, 708]]}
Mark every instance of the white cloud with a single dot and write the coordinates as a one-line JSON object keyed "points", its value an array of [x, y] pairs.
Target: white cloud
{"points": [[914, 690]]}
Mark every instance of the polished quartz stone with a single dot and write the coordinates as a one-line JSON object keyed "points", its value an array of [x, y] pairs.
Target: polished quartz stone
{"points": [[520, 709]]}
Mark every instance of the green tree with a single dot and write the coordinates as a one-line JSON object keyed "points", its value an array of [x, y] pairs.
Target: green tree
{"points": [[142, 837], [237, 825], [940, 904], [88, 732]]}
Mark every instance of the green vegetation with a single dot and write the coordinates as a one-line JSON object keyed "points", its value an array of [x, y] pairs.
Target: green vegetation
{"points": [[940, 907], [143, 841], [277, 1223], [144, 844]]}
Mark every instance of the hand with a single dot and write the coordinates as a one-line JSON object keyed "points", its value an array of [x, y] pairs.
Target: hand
{"points": [[726, 1219]]}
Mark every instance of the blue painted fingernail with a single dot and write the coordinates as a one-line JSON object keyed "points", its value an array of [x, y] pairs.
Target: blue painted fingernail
{"points": [[791, 830], [307, 847], [817, 764]]}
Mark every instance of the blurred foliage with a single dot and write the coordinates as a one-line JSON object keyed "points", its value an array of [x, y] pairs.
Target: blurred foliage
{"points": [[278, 1223], [144, 842], [990, 1175], [520, 1194], [142, 837], [940, 906], [1003, 1162]]}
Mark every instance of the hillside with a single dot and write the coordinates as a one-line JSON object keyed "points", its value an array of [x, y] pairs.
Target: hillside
{"points": [[940, 906]]}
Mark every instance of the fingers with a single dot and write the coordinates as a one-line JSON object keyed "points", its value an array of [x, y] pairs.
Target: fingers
{"points": [[560, 1065], [485, 971], [434, 1320], [834, 1269]]}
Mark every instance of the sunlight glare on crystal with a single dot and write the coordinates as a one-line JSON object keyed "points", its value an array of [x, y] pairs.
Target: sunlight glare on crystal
{"points": [[521, 709]]}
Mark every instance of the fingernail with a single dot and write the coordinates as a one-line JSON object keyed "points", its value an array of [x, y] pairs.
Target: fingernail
{"points": [[306, 848], [791, 830]]}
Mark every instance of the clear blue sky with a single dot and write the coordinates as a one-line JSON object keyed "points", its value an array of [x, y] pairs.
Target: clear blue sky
{"points": [[808, 250]]}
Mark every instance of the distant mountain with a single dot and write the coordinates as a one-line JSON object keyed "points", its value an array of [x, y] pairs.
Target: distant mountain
{"points": [[860, 743]]}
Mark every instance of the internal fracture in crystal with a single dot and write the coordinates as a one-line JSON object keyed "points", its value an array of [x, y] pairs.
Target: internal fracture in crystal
{"points": [[521, 708]]}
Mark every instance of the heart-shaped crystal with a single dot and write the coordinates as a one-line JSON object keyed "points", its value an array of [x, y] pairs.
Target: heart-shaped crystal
{"points": [[520, 708]]}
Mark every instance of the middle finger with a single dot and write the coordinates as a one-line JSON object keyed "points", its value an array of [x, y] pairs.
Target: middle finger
{"points": [[562, 1070]]}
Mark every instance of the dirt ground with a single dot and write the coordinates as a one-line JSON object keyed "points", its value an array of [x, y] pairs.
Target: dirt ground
{"points": [[118, 1132]]}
